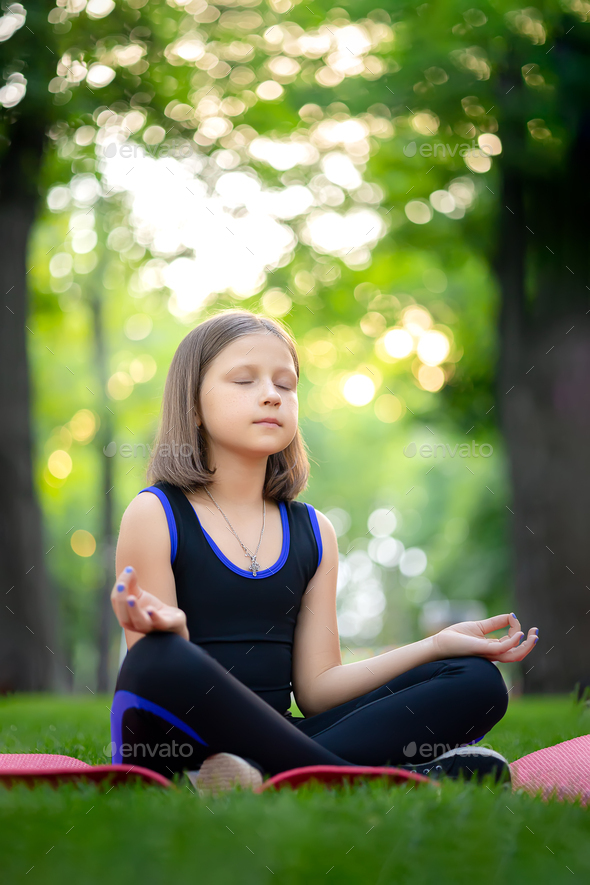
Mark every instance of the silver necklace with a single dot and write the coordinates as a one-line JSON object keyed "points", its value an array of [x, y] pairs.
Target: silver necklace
{"points": [[254, 564]]}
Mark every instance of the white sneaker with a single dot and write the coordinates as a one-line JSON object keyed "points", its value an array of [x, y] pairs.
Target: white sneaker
{"points": [[224, 771]]}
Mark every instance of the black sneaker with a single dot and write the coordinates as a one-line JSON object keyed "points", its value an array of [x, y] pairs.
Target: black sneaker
{"points": [[469, 762]]}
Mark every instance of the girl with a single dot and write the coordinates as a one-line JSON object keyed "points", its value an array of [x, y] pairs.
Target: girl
{"points": [[227, 594]]}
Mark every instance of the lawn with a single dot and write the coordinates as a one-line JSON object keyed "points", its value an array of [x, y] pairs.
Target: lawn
{"points": [[371, 833]]}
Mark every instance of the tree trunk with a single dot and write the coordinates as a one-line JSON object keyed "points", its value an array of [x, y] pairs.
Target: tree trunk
{"points": [[542, 265], [106, 618], [29, 657]]}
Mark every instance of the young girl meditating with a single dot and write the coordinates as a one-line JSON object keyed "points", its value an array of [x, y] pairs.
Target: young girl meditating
{"points": [[227, 594]]}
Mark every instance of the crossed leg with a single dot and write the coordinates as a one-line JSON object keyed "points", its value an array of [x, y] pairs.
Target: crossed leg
{"points": [[175, 705]]}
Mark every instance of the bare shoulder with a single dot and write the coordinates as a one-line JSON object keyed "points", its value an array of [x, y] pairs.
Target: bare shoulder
{"points": [[324, 523], [144, 543], [145, 510], [328, 533]]}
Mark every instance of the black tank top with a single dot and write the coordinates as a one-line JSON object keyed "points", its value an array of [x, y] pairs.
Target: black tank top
{"points": [[245, 622]]}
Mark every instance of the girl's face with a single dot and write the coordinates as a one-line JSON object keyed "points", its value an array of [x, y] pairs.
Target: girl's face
{"points": [[250, 380]]}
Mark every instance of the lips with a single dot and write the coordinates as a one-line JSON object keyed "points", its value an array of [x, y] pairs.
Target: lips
{"points": [[268, 421]]}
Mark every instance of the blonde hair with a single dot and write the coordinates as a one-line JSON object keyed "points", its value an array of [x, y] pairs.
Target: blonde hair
{"points": [[287, 472]]}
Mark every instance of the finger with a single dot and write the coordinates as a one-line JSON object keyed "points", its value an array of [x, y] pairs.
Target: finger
{"points": [[518, 652], [138, 616], [522, 650], [495, 623], [506, 643], [160, 619], [130, 581], [119, 598], [127, 588], [494, 647], [514, 623], [121, 585]]}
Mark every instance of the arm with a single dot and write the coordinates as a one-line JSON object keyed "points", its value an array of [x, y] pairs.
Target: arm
{"points": [[320, 679], [144, 544]]}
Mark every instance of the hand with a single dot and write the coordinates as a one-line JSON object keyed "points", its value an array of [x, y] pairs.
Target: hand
{"points": [[138, 610], [469, 638]]}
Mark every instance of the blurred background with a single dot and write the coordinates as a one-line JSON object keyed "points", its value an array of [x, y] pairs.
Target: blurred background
{"points": [[406, 188]]}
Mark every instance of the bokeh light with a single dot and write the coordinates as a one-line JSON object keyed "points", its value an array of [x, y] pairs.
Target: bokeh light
{"points": [[83, 543], [83, 425], [433, 348], [386, 551], [143, 368], [59, 464], [490, 144], [413, 562], [382, 522], [398, 343], [120, 385], [138, 326], [416, 320], [269, 90], [418, 211], [100, 76], [431, 378], [477, 160], [388, 408], [358, 390]]}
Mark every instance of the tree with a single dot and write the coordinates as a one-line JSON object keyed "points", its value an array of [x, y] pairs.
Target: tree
{"points": [[524, 74], [187, 73], [130, 58], [28, 636]]}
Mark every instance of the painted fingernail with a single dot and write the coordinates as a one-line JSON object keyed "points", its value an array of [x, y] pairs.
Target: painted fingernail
{"points": [[128, 569], [120, 587], [536, 639], [151, 614], [131, 601], [512, 615]]}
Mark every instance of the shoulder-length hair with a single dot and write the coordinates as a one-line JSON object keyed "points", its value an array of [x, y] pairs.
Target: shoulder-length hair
{"points": [[180, 453]]}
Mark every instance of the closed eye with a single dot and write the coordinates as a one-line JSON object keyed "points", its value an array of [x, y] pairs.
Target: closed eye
{"points": [[278, 385]]}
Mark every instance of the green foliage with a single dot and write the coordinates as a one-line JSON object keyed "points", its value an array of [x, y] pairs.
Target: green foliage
{"points": [[437, 73]]}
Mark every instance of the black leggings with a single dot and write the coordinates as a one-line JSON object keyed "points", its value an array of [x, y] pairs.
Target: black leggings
{"points": [[174, 705]]}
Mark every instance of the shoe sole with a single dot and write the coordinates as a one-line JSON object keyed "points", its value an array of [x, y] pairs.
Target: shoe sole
{"points": [[506, 776], [472, 751], [224, 771]]}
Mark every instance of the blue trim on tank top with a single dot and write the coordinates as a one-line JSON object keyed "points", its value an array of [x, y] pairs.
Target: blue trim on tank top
{"points": [[316, 530], [239, 571], [169, 518], [265, 573]]}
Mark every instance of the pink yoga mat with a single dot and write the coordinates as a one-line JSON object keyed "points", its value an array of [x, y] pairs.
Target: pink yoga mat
{"points": [[340, 774], [54, 769], [562, 771]]}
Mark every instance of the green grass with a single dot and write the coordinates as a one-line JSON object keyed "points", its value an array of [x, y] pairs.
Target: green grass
{"points": [[460, 834]]}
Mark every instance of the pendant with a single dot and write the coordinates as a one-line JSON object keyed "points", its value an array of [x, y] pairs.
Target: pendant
{"points": [[255, 565]]}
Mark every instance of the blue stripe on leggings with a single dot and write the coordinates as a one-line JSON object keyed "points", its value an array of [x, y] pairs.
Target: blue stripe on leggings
{"points": [[478, 739], [126, 700], [169, 518]]}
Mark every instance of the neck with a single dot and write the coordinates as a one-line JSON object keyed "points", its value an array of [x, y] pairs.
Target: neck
{"points": [[238, 482]]}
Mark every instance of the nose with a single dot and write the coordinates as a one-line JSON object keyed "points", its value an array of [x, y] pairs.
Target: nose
{"points": [[270, 394]]}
